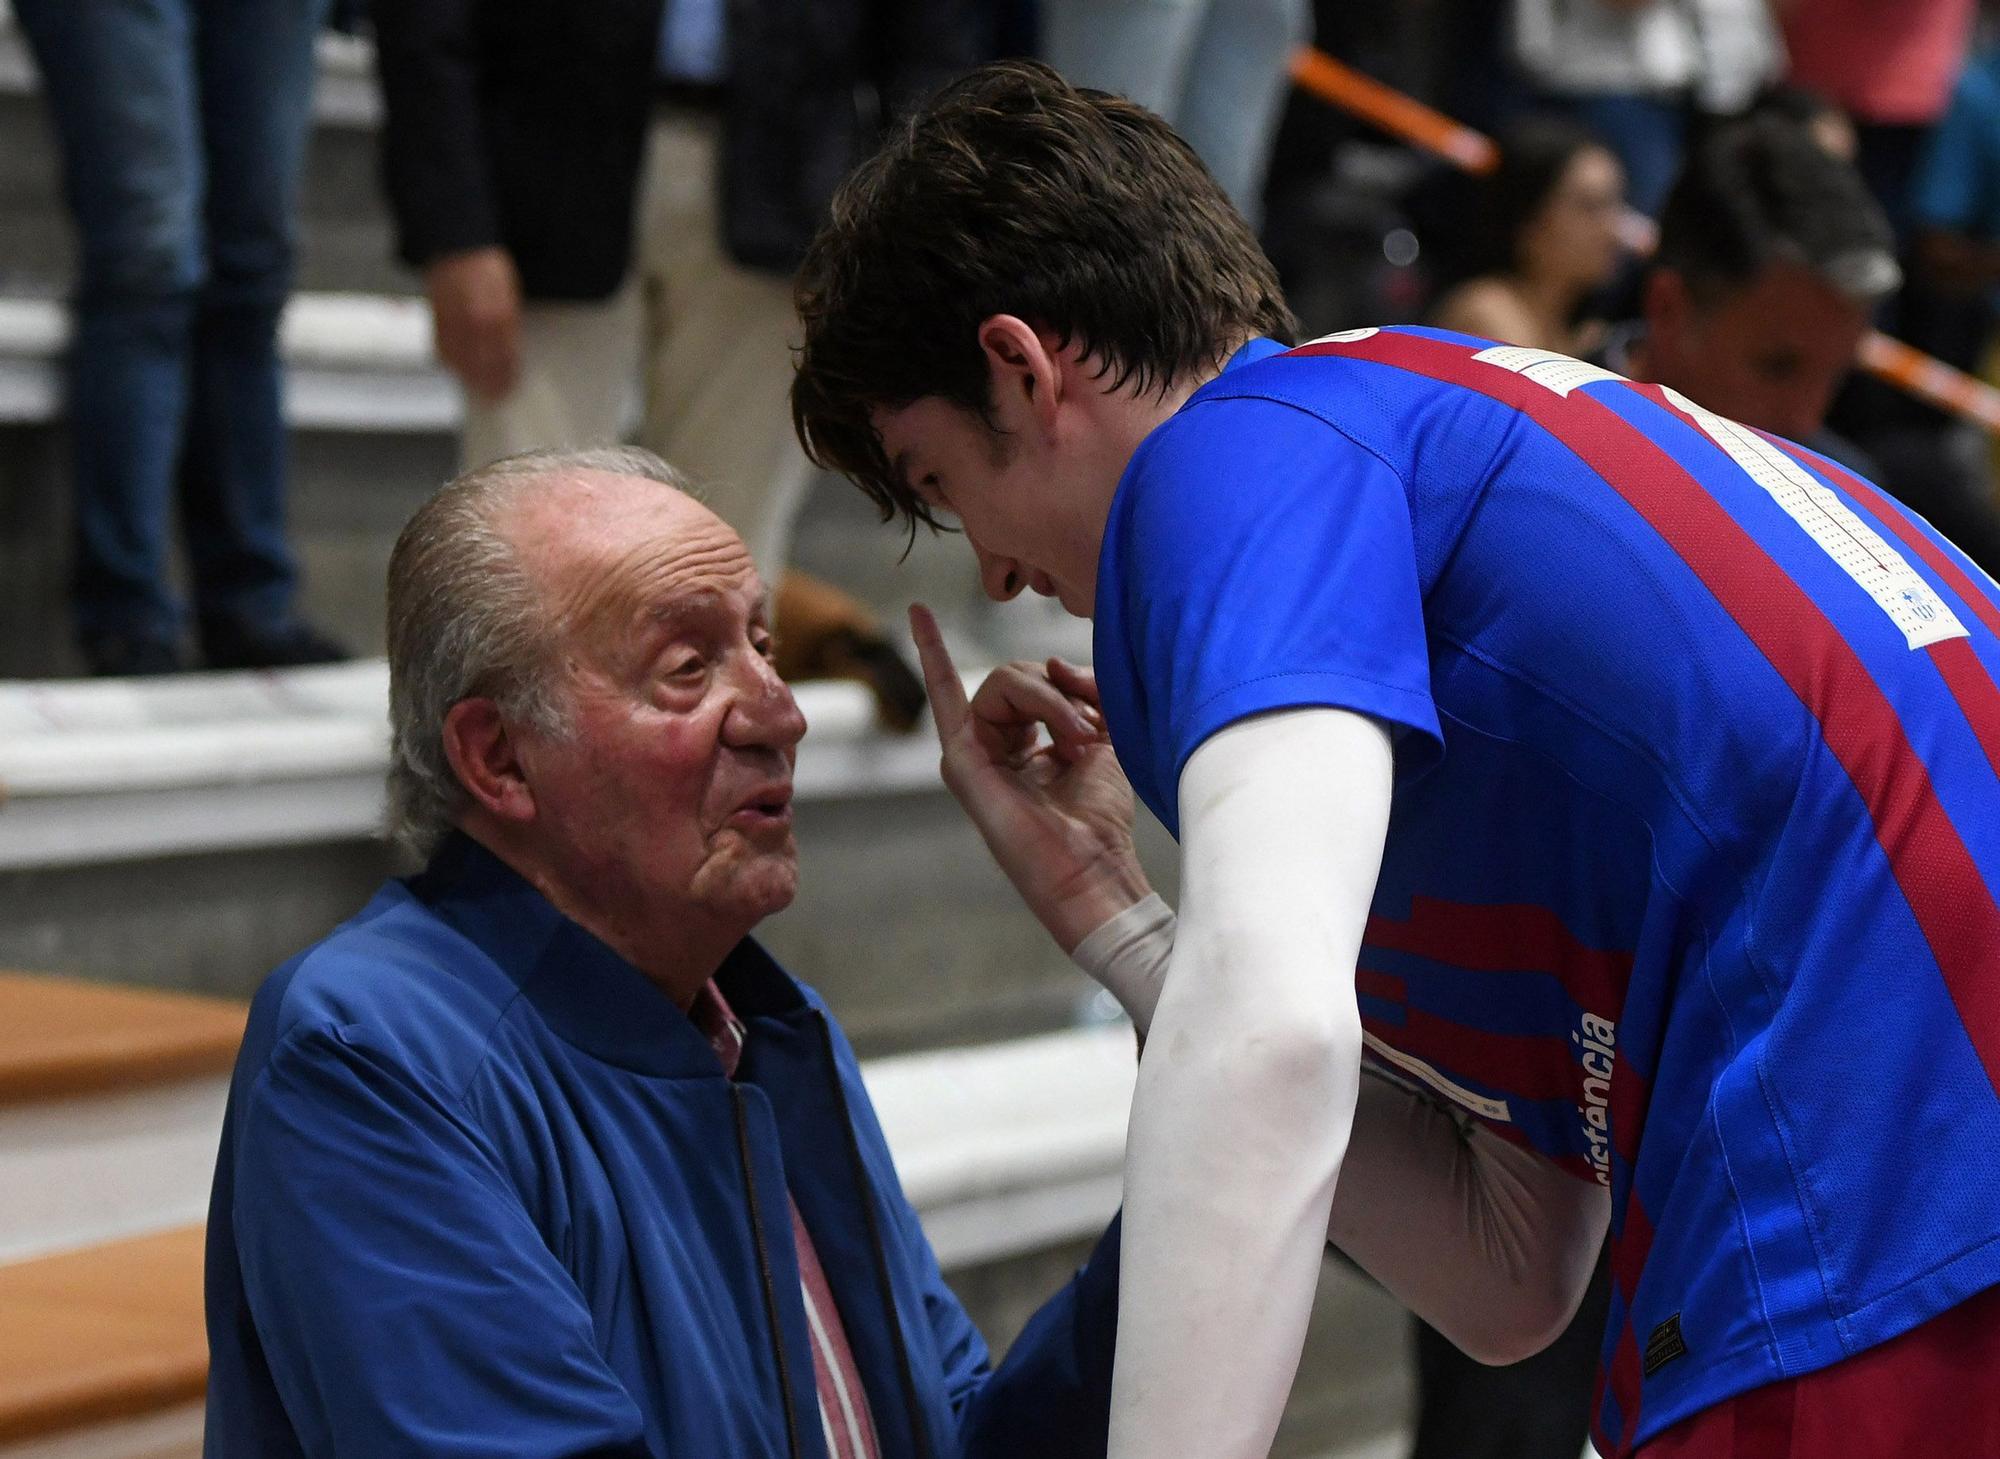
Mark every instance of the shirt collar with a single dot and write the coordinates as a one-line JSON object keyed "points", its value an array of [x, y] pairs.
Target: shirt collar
{"points": [[1252, 350], [587, 994]]}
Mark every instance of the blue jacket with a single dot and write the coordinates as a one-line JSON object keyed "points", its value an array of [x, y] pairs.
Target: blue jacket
{"points": [[484, 1190]]}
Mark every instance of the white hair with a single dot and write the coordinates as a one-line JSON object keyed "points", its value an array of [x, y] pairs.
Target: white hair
{"points": [[467, 620]]}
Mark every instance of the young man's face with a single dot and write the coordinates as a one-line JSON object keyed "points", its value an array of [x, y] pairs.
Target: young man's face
{"points": [[972, 475], [1031, 485], [1770, 353]]}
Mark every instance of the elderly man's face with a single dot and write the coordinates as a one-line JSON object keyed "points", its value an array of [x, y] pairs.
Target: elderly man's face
{"points": [[673, 792]]}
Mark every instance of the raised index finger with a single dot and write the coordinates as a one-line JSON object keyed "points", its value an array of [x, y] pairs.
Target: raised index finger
{"points": [[949, 708]]}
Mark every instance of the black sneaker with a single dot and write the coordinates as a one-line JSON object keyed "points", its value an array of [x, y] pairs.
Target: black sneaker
{"points": [[131, 656], [230, 643]]}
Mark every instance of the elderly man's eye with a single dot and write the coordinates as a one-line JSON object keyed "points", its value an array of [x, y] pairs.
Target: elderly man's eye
{"points": [[767, 645], [686, 668]]}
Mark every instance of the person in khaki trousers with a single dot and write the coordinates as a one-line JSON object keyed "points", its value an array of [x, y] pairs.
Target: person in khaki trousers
{"points": [[553, 172]]}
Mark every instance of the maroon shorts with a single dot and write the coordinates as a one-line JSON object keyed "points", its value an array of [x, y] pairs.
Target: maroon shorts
{"points": [[1933, 1391]]}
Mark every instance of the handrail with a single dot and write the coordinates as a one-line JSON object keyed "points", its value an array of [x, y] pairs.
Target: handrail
{"points": [[1404, 117]]}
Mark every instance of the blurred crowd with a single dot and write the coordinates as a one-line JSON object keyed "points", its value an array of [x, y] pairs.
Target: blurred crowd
{"points": [[603, 204]]}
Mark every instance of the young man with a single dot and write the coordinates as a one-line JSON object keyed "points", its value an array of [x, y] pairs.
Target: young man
{"points": [[1647, 768]]}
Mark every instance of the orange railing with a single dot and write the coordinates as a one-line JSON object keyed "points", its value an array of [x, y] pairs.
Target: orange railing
{"points": [[1409, 120]]}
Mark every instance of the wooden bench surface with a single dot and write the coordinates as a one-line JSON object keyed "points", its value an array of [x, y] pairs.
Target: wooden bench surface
{"points": [[64, 1036], [106, 1333]]}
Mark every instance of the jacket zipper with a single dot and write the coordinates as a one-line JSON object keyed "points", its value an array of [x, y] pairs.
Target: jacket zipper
{"points": [[764, 1273], [866, 1190]]}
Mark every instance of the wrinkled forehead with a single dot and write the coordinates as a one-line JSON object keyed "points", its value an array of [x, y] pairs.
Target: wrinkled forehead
{"points": [[619, 555]]}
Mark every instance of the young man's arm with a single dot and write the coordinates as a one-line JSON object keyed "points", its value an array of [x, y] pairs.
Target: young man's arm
{"points": [[1489, 1243], [1247, 1090]]}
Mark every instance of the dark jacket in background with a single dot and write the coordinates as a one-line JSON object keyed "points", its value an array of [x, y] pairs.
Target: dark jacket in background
{"points": [[523, 122]]}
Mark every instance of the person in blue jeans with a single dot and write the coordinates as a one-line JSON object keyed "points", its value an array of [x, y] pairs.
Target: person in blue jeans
{"points": [[1217, 70], [182, 126]]}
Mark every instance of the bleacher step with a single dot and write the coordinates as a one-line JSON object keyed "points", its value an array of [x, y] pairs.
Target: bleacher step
{"points": [[101, 1335], [110, 1104], [60, 1038]]}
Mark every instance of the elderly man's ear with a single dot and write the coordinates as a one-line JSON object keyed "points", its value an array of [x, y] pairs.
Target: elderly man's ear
{"points": [[482, 754]]}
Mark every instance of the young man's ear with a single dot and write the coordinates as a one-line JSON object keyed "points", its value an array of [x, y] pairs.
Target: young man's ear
{"points": [[1024, 367], [482, 755]]}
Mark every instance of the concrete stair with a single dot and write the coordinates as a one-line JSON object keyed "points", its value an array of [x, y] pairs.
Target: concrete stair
{"points": [[110, 1106]]}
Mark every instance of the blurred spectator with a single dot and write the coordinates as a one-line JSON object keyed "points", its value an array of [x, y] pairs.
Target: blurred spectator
{"points": [[1217, 70], [605, 200], [1545, 238], [1822, 120], [1771, 262], [1637, 71], [1891, 66], [182, 126], [1955, 212]]}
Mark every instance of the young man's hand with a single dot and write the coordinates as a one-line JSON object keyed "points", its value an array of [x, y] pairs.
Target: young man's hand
{"points": [[476, 317], [1056, 816]]}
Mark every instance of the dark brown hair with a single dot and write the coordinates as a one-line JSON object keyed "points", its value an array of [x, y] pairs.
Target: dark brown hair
{"points": [[1014, 192]]}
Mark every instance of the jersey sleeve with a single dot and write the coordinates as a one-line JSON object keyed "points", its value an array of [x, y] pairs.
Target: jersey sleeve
{"points": [[402, 1295], [1267, 561]]}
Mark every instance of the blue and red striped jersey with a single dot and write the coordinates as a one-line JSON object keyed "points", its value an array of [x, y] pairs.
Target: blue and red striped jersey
{"points": [[1693, 874]]}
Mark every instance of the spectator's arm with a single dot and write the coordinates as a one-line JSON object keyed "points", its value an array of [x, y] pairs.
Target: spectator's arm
{"points": [[433, 147], [405, 1300], [1483, 308]]}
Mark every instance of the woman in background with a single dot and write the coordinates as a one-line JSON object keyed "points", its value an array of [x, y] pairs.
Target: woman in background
{"points": [[1545, 238]]}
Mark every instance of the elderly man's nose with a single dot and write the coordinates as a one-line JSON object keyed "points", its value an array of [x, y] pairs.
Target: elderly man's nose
{"points": [[765, 712]]}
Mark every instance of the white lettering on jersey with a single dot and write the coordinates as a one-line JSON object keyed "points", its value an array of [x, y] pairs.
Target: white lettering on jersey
{"points": [[1858, 549], [1546, 368], [1599, 1041]]}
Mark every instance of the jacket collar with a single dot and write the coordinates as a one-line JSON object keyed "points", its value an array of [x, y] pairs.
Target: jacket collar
{"points": [[586, 993]]}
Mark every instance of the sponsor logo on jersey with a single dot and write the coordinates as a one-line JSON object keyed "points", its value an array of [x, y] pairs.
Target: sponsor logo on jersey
{"points": [[1598, 1039]]}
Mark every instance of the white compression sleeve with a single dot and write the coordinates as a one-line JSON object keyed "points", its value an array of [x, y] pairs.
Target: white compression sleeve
{"points": [[1489, 1243], [1247, 1088]]}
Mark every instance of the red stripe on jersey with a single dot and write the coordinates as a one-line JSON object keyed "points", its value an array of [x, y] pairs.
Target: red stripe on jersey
{"points": [[1882, 508], [1527, 1066], [1977, 695], [1508, 937], [1940, 881], [1625, 1380], [1629, 1250], [1957, 662], [1385, 986]]}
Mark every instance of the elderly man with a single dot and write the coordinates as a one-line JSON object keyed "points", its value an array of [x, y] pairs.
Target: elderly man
{"points": [[540, 1155]]}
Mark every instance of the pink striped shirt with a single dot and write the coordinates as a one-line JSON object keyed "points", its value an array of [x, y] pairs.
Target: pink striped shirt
{"points": [[843, 1402]]}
